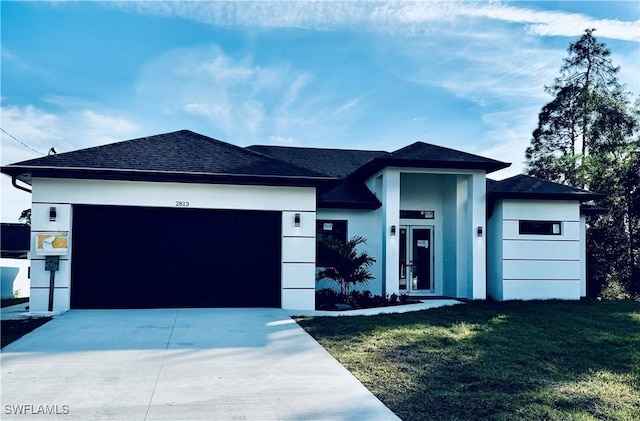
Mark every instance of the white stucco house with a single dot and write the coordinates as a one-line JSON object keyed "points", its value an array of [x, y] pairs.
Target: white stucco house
{"points": [[184, 220]]}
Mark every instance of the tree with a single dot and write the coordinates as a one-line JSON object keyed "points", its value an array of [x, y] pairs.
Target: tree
{"points": [[587, 137], [346, 267], [25, 216]]}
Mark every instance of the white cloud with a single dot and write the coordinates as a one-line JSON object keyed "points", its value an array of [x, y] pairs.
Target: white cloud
{"points": [[100, 129], [389, 17], [241, 101], [32, 126], [509, 134], [67, 130]]}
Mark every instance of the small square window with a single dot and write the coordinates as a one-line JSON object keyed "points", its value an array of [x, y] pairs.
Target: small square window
{"points": [[540, 228]]}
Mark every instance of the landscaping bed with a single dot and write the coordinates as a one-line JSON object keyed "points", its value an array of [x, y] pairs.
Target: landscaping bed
{"points": [[328, 299], [551, 360]]}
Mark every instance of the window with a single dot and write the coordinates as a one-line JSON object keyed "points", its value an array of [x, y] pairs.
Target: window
{"points": [[540, 228], [417, 214], [329, 230]]}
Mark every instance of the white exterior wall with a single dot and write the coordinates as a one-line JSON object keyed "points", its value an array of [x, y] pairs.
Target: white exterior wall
{"points": [[14, 278], [583, 256], [390, 198], [526, 267], [477, 208], [298, 243], [365, 223]]}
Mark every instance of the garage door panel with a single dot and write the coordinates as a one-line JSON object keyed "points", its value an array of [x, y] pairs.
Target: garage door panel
{"points": [[127, 257]]}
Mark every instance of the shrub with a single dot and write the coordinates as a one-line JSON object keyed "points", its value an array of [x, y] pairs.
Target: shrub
{"points": [[327, 297], [346, 267]]}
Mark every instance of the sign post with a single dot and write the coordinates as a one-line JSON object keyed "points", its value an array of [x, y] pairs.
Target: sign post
{"points": [[52, 264]]}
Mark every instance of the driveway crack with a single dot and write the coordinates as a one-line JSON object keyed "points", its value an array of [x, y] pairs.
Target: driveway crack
{"points": [[164, 357]]}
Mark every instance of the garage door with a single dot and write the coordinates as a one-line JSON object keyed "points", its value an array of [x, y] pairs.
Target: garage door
{"points": [[136, 257]]}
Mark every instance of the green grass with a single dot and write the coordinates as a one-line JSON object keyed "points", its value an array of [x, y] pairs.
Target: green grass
{"points": [[496, 361]]}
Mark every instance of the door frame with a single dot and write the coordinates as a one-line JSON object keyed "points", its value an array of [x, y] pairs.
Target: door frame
{"points": [[406, 266]]}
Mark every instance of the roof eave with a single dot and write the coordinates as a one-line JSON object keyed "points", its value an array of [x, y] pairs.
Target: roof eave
{"points": [[322, 204], [25, 174], [579, 196]]}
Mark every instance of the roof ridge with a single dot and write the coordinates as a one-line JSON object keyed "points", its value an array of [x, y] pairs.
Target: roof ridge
{"points": [[317, 148], [421, 142], [106, 145]]}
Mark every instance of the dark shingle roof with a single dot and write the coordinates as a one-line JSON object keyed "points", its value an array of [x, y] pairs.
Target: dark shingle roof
{"points": [[525, 187], [426, 155], [337, 163], [348, 195], [342, 163], [429, 152], [181, 153]]}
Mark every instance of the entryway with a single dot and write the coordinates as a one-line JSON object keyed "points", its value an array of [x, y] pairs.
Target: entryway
{"points": [[416, 259]]}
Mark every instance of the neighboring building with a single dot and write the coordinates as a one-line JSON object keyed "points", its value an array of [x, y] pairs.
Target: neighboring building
{"points": [[184, 220], [14, 266]]}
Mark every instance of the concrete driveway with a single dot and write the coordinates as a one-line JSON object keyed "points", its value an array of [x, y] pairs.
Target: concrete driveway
{"points": [[178, 364]]}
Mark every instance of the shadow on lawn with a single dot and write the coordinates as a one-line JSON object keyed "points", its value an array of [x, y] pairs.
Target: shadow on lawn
{"points": [[515, 360]]}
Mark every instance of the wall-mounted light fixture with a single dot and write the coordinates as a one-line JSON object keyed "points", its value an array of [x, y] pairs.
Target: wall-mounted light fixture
{"points": [[393, 230], [296, 220], [479, 231], [52, 213]]}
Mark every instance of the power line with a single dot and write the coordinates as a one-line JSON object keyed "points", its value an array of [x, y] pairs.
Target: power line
{"points": [[20, 142]]}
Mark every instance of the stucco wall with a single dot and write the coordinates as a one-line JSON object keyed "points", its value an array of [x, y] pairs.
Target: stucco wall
{"points": [[298, 243], [529, 267], [14, 278]]}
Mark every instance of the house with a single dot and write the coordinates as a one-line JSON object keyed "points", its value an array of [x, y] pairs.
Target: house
{"points": [[14, 266], [184, 220]]}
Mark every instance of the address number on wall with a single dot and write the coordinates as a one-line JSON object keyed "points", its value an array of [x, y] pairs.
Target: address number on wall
{"points": [[182, 204]]}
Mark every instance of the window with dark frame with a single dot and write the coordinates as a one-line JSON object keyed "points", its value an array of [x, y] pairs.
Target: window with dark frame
{"points": [[328, 230], [540, 228]]}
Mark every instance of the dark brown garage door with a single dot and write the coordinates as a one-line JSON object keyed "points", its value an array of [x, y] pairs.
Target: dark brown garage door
{"points": [[137, 257]]}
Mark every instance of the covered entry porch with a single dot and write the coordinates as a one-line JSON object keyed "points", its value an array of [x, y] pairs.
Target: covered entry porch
{"points": [[433, 225]]}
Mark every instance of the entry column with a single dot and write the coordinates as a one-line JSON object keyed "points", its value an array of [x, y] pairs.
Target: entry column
{"points": [[390, 229]]}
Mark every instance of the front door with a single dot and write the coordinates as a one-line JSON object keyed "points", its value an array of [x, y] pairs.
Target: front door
{"points": [[416, 259]]}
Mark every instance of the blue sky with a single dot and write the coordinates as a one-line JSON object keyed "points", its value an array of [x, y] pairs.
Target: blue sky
{"points": [[366, 75]]}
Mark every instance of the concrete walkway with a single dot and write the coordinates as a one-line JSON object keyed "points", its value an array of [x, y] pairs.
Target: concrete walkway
{"points": [[424, 305], [186, 364]]}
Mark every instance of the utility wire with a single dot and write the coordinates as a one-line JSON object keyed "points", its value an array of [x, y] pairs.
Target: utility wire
{"points": [[22, 143]]}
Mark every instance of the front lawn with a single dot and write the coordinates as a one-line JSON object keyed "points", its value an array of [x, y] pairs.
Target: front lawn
{"points": [[496, 361]]}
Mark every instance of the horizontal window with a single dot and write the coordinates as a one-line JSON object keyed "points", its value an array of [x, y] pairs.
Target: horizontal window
{"points": [[417, 214], [540, 228]]}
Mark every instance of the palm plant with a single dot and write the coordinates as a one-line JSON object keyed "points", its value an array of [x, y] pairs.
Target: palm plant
{"points": [[347, 267]]}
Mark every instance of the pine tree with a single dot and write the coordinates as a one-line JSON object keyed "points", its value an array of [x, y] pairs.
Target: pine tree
{"points": [[587, 137]]}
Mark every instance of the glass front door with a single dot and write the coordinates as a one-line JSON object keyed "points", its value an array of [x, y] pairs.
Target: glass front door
{"points": [[416, 259]]}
